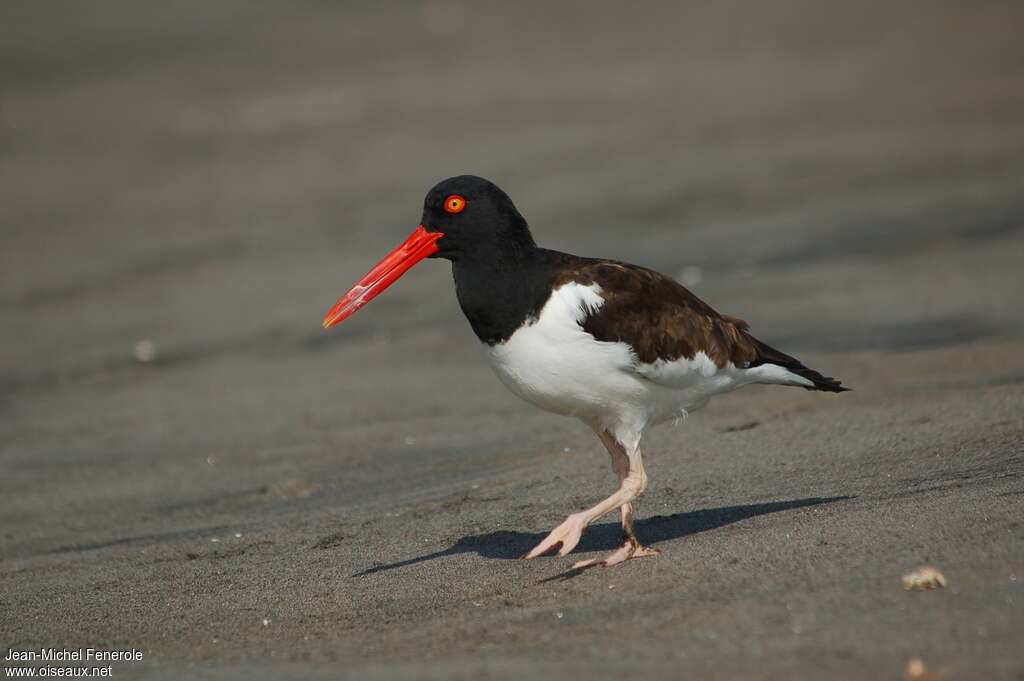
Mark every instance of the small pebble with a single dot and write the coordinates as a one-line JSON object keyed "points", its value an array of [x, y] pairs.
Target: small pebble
{"points": [[145, 350], [691, 275]]}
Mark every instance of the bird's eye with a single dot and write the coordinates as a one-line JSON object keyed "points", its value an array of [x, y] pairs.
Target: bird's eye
{"points": [[454, 203]]}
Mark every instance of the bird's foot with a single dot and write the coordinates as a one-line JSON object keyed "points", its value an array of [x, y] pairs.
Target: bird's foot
{"points": [[565, 536], [631, 549]]}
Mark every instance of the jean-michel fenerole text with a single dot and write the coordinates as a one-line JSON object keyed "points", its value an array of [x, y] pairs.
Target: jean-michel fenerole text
{"points": [[72, 654]]}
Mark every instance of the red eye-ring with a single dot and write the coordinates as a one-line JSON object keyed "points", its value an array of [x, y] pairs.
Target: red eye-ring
{"points": [[454, 203]]}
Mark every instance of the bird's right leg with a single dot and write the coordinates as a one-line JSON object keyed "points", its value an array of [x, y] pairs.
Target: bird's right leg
{"points": [[632, 482], [623, 465]]}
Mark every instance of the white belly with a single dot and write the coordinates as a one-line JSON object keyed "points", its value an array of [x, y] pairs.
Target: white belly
{"points": [[568, 373], [554, 364]]}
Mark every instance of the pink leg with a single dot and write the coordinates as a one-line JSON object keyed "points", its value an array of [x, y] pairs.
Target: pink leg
{"points": [[632, 482]]}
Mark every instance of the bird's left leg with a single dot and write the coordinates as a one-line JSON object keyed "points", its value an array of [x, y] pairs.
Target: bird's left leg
{"points": [[632, 482]]}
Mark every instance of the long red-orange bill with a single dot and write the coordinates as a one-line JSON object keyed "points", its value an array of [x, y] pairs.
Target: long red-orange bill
{"points": [[419, 245]]}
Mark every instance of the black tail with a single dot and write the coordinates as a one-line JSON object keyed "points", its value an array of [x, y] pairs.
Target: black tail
{"points": [[769, 355]]}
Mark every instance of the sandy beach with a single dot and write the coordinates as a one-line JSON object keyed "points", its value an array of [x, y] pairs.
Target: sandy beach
{"points": [[192, 468]]}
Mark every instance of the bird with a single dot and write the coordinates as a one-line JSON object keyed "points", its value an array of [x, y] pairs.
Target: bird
{"points": [[620, 347]]}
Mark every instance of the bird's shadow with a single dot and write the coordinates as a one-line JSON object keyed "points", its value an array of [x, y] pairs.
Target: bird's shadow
{"points": [[608, 536]]}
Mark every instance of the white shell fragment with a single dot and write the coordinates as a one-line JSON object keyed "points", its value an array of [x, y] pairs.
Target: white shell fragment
{"points": [[923, 578]]}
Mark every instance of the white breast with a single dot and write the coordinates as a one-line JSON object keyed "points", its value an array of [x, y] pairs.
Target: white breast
{"points": [[556, 365]]}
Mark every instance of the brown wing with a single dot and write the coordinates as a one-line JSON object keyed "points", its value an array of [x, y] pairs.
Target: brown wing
{"points": [[659, 318]]}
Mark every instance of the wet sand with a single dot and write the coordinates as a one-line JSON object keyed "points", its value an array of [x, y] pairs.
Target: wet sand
{"points": [[191, 467]]}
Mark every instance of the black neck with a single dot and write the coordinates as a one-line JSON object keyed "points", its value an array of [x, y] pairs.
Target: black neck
{"points": [[500, 291]]}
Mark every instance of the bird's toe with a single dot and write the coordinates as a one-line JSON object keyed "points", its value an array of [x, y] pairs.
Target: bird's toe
{"points": [[631, 549], [565, 537]]}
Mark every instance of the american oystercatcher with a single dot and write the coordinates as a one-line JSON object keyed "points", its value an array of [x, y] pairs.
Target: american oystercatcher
{"points": [[618, 346]]}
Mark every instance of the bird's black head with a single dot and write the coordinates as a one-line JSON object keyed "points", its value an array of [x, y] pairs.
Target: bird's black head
{"points": [[478, 220], [465, 219]]}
